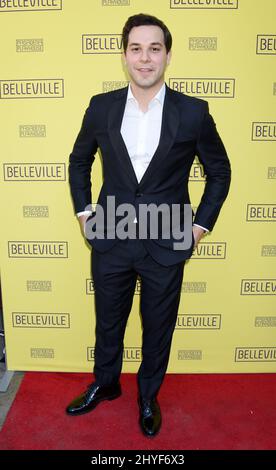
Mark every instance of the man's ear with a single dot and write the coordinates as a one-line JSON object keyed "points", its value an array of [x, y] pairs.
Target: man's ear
{"points": [[169, 56]]}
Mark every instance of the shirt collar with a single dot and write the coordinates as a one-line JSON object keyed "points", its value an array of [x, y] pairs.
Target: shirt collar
{"points": [[159, 97]]}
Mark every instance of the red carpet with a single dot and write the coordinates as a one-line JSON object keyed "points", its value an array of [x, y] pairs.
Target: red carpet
{"points": [[233, 412]]}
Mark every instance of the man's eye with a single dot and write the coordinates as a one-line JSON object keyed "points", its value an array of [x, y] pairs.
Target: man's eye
{"points": [[155, 49]]}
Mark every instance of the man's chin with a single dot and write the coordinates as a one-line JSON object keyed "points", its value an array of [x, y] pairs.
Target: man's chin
{"points": [[145, 84]]}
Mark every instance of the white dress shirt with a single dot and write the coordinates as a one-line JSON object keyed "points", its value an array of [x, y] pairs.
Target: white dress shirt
{"points": [[141, 132]]}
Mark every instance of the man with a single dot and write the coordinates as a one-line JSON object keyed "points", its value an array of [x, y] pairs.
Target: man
{"points": [[148, 136]]}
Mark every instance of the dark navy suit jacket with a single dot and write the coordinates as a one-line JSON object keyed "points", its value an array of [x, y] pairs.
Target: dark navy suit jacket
{"points": [[187, 130]]}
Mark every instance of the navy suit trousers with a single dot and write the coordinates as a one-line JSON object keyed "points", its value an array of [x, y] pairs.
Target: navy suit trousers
{"points": [[115, 274]]}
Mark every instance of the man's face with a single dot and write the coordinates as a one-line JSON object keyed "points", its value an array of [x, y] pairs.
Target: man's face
{"points": [[146, 56]]}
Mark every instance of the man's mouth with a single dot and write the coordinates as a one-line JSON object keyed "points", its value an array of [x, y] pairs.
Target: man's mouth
{"points": [[144, 69]]}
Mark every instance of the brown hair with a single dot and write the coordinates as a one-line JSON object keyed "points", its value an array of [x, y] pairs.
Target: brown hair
{"points": [[143, 20]]}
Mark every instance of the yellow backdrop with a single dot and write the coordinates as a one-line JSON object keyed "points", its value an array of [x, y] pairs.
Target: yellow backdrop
{"points": [[54, 56]]}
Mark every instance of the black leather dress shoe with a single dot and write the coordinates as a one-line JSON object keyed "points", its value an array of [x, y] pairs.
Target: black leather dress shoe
{"points": [[92, 397], [150, 416]]}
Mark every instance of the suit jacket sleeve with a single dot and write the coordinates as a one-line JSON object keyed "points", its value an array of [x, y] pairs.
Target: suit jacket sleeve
{"points": [[213, 156], [81, 160]]}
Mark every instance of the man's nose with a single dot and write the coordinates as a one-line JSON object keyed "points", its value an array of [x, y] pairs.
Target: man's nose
{"points": [[145, 56]]}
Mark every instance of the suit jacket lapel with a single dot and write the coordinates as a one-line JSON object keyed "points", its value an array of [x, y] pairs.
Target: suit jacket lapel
{"points": [[115, 118], [169, 127]]}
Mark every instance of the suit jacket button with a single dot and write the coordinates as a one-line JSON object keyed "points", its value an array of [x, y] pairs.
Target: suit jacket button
{"points": [[138, 194]]}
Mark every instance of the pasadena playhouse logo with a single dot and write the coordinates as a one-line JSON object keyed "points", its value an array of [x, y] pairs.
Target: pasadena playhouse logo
{"points": [[114, 85], [42, 353], [38, 249], [200, 4], [189, 355], [115, 3], [204, 87], [40, 320], [265, 322], [266, 44], [29, 5], [102, 44], [38, 286], [32, 130], [198, 287], [203, 43], [130, 354], [36, 212], [29, 45], [264, 131], [252, 354], [32, 88], [271, 173], [34, 172], [268, 250]]}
